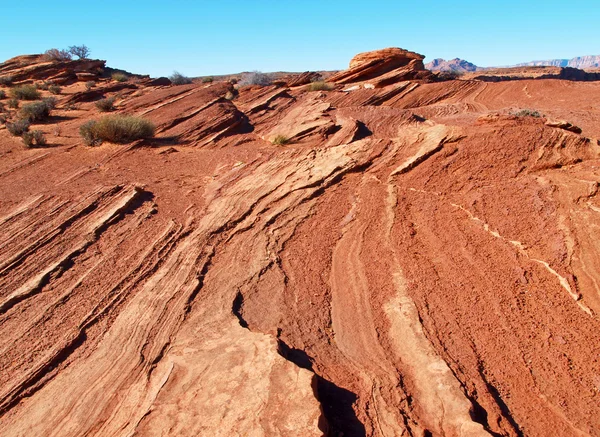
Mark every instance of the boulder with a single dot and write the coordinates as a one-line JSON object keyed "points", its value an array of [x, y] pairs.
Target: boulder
{"points": [[383, 67]]}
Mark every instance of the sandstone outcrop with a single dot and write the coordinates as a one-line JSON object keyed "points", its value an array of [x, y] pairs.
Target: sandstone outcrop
{"points": [[414, 261], [383, 67]]}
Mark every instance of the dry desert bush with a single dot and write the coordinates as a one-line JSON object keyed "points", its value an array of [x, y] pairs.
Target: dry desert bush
{"points": [[179, 79], [25, 92], [116, 129]]}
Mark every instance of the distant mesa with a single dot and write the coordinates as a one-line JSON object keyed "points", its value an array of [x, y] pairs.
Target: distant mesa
{"points": [[456, 65], [581, 62], [383, 67]]}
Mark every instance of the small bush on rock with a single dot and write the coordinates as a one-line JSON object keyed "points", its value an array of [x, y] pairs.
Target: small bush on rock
{"points": [[119, 77], [89, 85], [280, 140], [106, 105], [54, 89], [208, 79], [528, 113], [116, 129], [34, 138], [57, 55], [25, 92], [13, 103], [179, 79], [256, 78], [18, 127], [6, 80], [320, 86], [82, 51], [36, 111], [2, 94]]}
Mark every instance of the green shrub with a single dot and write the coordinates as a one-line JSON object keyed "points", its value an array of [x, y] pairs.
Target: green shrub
{"points": [[18, 127], [34, 137], [2, 94], [89, 85], [208, 79], [320, 86], [179, 79], [42, 85], [25, 92], [13, 103], [36, 111], [106, 105], [528, 113], [54, 89], [116, 129], [6, 80], [281, 140], [119, 77]]}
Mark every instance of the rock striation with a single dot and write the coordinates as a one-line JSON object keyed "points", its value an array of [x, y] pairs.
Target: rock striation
{"points": [[383, 67], [372, 276]]}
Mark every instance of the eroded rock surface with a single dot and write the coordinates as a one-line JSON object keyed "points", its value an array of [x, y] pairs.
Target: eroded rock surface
{"points": [[415, 261]]}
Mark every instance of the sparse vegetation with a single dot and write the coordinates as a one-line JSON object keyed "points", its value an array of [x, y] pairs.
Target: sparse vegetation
{"points": [[50, 102], [18, 127], [25, 92], [82, 51], [36, 111], [106, 105], [527, 113], [57, 55], [54, 89], [449, 75], [209, 79], [6, 80], [119, 77], [116, 129], [179, 79], [13, 103], [281, 140], [89, 85], [34, 138], [320, 86], [2, 94], [256, 78]]}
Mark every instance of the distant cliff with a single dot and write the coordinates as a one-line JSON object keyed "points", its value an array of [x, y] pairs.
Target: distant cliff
{"points": [[578, 62]]}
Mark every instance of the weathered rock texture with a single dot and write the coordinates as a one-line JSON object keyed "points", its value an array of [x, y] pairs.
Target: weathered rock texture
{"points": [[416, 261], [383, 67]]}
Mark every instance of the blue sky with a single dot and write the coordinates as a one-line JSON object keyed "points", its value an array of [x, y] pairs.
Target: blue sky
{"points": [[228, 36]]}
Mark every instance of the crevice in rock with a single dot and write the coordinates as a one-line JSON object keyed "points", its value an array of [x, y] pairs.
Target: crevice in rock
{"points": [[236, 309], [493, 391], [336, 402]]}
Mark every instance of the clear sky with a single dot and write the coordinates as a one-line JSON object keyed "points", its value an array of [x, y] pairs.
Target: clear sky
{"points": [[229, 36]]}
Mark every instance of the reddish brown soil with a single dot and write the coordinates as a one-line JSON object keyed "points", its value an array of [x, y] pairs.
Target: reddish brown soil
{"points": [[416, 261]]}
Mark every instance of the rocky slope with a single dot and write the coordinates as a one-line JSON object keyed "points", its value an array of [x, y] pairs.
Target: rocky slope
{"points": [[418, 260]]}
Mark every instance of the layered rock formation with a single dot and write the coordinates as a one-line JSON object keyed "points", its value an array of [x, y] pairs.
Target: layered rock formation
{"points": [[383, 67], [417, 260]]}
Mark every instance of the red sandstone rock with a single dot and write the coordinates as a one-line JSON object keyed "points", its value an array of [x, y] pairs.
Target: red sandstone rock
{"points": [[416, 261]]}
